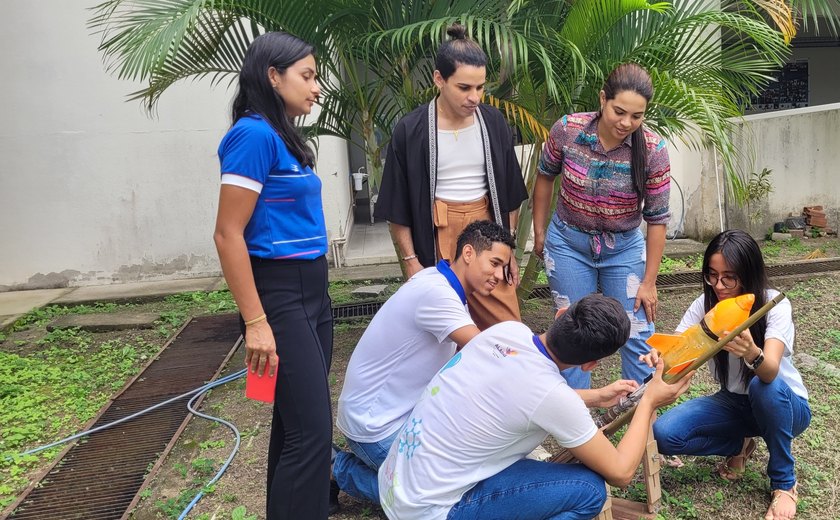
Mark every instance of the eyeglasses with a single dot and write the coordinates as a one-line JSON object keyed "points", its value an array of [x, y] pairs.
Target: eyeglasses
{"points": [[728, 281]]}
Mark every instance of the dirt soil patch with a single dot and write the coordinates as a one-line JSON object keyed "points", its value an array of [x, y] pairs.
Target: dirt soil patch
{"points": [[694, 491]]}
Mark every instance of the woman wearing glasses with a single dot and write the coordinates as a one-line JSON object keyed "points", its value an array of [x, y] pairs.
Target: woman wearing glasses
{"points": [[761, 392]]}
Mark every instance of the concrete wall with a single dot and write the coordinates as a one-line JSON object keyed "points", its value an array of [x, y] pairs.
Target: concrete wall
{"points": [[91, 189], [800, 146], [823, 73]]}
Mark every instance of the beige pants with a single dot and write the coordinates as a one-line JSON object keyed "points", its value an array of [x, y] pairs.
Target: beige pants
{"points": [[450, 220]]}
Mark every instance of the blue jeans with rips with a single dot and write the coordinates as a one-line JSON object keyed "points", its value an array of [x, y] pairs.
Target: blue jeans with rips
{"points": [[579, 263], [533, 490], [355, 471], [719, 423]]}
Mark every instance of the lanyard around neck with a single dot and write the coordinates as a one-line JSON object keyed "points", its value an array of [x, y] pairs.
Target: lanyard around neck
{"points": [[444, 269]]}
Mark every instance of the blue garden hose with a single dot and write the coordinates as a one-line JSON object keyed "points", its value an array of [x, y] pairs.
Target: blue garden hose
{"points": [[196, 393], [224, 467]]}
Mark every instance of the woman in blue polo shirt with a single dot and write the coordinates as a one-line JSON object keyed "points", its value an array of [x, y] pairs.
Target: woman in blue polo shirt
{"points": [[271, 239]]}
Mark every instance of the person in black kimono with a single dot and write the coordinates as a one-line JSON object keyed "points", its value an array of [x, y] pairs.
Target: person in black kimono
{"points": [[451, 162]]}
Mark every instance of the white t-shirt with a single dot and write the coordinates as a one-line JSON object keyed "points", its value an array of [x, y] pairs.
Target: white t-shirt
{"points": [[488, 407], [405, 344], [461, 172], [779, 326]]}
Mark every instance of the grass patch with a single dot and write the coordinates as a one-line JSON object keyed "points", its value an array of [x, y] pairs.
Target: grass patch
{"points": [[55, 389], [684, 263], [52, 383]]}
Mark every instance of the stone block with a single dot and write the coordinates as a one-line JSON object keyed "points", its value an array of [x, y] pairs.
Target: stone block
{"points": [[369, 291]]}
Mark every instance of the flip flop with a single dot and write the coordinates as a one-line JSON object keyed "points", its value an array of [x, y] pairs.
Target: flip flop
{"points": [[733, 467]]}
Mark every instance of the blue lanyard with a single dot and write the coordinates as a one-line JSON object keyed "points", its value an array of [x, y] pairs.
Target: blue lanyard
{"points": [[541, 347], [444, 269]]}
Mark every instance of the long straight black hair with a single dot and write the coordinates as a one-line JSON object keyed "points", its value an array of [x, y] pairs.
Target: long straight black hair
{"points": [[743, 256], [256, 96], [632, 77]]}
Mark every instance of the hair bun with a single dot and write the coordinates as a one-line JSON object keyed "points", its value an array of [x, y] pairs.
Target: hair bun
{"points": [[457, 31]]}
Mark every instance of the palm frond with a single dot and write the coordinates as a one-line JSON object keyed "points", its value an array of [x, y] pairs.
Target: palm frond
{"points": [[813, 12], [590, 20], [782, 15], [521, 117]]}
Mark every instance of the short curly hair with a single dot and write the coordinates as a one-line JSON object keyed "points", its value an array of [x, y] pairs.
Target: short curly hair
{"points": [[481, 235]]}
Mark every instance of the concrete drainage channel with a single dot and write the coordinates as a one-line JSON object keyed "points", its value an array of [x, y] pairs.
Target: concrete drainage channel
{"points": [[353, 311], [100, 477]]}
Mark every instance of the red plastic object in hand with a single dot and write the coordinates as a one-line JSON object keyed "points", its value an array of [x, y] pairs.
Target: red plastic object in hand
{"points": [[260, 388]]}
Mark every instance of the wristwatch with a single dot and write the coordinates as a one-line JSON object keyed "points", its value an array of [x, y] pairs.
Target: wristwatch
{"points": [[759, 359]]}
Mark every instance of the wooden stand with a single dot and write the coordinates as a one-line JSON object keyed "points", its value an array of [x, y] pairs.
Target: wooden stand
{"points": [[622, 509]]}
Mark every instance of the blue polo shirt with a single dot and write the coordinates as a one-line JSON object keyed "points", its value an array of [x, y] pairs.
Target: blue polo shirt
{"points": [[288, 219]]}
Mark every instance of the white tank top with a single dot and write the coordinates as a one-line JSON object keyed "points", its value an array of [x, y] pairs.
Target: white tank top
{"points": [[462, 174]]}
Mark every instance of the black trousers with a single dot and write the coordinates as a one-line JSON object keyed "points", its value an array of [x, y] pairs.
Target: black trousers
{"points": [[295, 299]]}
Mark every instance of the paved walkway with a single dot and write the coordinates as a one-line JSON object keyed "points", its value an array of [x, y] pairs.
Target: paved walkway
{"points": [[14, 304]]}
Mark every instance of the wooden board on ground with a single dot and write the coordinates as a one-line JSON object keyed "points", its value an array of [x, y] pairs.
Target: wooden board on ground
{"points": [[623, 509]]}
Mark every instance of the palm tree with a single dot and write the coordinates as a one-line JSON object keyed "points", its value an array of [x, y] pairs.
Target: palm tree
{"points": [[548, 57]]}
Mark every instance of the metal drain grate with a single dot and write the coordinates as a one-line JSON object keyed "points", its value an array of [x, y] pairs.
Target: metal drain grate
{"points": [[362, 310], [679, 279], [809, 267], [99, 477], [694, 277], [540, 291], [350, 311]]}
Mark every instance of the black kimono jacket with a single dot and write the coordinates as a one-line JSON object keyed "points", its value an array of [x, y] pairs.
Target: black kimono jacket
{"points": [[407, 193]]}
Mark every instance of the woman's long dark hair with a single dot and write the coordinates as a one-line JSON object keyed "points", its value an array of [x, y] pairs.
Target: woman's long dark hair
{"points": [[634, 78], [459, 50], [743, 256], [256, 96]]}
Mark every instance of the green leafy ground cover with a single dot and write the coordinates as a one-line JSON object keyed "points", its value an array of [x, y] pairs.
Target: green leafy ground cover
{"points": [[53, 383]]}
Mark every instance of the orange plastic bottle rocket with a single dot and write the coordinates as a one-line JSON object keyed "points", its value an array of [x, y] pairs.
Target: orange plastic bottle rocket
{"points": [[679, 351]]}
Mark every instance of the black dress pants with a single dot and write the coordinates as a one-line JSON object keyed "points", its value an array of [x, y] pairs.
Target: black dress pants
{"points": [[295, 299]]}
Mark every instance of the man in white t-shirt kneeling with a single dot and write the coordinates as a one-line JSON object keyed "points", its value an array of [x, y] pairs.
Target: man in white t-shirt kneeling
{"points": [[415, 333], [461, 453]]}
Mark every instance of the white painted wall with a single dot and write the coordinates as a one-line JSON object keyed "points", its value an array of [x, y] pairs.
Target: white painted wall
{"points": [[91, 189], [684, 186], [800, 146]]}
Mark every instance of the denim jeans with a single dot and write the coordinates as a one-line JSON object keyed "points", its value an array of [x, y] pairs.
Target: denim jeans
{"points": [[719, 423], [356, 471], [533, 490], [579, 263]]}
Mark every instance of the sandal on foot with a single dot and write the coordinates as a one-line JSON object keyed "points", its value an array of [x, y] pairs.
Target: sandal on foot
{"points": [[672, 461], [733, 467], [782, 494]]}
